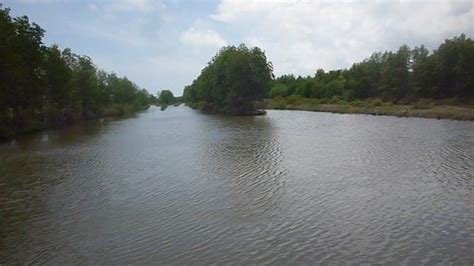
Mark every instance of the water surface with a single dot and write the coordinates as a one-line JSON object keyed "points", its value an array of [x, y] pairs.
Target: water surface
{"points": [[181, 187]]}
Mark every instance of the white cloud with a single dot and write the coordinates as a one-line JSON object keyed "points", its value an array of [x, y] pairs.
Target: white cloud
{"points": [[231, 11], [134, 23], [143, 6], [131, 35], [114, 9], [301, 36], [199, 35], [40, 1]]}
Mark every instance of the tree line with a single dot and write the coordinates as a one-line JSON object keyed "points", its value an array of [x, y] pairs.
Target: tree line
{"points": [[237, 77], [404, 76], [41, 86]]}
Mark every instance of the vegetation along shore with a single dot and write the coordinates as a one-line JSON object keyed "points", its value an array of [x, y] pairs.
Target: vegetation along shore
{"points": [[425, 108], [43, 86], [408, 82]]}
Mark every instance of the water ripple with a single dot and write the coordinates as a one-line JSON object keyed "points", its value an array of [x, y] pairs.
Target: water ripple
{"points": [[181, 187]]}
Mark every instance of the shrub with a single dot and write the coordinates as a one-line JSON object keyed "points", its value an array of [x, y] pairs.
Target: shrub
{"points": [[375, 102], [424, 104], [358, 103], [294, 99], [335, 100]]}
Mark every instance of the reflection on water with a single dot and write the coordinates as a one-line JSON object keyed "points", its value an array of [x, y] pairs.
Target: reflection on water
{"points": [[181, 187]]}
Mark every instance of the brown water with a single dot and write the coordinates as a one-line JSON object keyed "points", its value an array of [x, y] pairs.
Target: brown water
{"points": [[180, 187]]}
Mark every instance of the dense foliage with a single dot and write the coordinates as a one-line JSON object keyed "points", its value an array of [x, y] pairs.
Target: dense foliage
{"points": [[401, 77], [166, 97], [42, 86], [231, 83]]}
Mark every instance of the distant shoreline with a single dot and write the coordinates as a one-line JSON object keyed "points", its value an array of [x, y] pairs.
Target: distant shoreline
{"points": [[440, 111]]}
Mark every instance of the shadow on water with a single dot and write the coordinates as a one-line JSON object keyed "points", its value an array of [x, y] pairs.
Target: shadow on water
{"points": [[31, 167]]}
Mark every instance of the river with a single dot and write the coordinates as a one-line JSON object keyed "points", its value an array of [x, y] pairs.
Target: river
{"points": [[291, 187]]}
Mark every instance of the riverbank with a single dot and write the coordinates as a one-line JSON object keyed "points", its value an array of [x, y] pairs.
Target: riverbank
{"points": [[28, 125], [424, 108], [203, 107]]}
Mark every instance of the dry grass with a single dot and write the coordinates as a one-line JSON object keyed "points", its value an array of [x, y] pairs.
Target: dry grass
{"points": [[423, 108]]}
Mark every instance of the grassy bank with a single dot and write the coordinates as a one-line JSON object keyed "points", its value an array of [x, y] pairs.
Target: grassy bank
{"points": [[121, 110], [443, 109], [26, 123]]}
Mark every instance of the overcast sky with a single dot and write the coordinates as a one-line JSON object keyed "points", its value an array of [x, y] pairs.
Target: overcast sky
{"points": [[165, 44]]}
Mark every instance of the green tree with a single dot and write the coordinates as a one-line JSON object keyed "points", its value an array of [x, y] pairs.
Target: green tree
{"points": [[42, 86], [58, 78], [279, 90], [455, 62], [233, 81], [166, 97], [21, 53]]}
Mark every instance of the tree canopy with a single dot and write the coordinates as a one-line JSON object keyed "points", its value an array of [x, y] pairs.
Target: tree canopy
{"points": [[238, 76], [166, 97], [43, 85], [408, 74], [232, 81]]}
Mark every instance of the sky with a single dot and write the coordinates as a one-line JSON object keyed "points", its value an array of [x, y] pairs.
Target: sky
{"points": [[165, 44]]}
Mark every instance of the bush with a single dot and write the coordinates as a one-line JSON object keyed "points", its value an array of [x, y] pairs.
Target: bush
{"points": [[358, 103], [424, 104], [197, 105], [335, 100], [294, 99], [450, 101], [375, 102], [277, 103]]}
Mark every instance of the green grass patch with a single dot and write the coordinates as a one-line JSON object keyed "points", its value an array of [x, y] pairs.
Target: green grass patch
{"points": [[427, 108]]}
